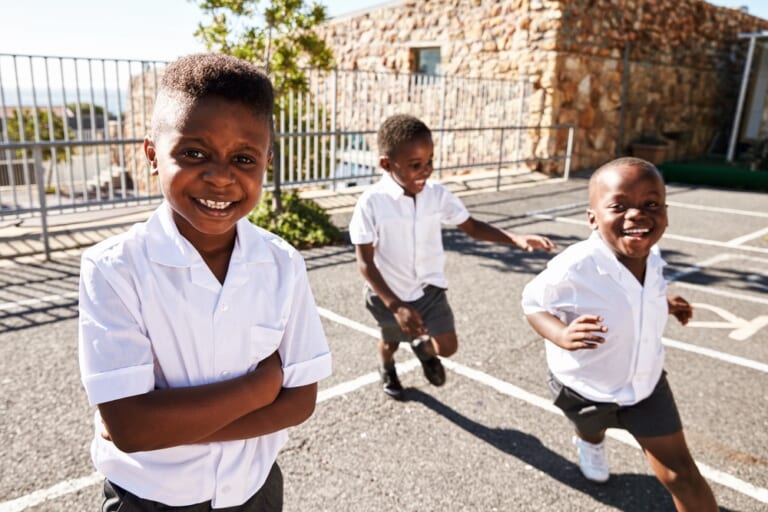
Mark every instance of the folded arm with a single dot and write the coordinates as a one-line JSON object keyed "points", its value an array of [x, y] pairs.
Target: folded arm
{"points": [[177, 416]]}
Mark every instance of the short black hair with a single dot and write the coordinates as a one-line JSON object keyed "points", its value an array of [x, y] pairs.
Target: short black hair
{"points": [[626, 161], [397, 129], [194, 77]]}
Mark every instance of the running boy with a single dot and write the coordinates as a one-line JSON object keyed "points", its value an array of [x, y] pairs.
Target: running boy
{"points": [[602, 306], [398, 244], [200, 342]]}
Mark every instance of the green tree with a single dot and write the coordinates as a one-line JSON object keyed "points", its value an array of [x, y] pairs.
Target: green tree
{"points": [[46, 123], [280, 37], [283, 43]]}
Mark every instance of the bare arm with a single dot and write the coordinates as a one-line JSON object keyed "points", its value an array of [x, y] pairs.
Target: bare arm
{"points": [[680, 308], [177, 416], [480, 230], [407, 318], [292, 407], [579, 334]]}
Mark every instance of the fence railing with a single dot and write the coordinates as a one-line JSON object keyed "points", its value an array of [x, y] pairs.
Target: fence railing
{"points": [[71, 130]]}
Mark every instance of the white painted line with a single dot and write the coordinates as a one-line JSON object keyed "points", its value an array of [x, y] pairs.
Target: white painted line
{"points": [[697, 267], [716, 209], [39, 300], [670, 236], [330, 315], [369, 378], [746, 238], [722, 293], [714, 475], [715, 243], [708, 352], [51, 493]]}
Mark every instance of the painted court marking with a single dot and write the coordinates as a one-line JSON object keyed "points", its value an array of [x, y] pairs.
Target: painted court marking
{"points": [[506, 388]]}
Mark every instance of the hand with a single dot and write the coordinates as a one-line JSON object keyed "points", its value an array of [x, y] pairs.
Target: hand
{"points": [[679, 308], [104, 432], [529, 243], [580, 334], [409, 320]]}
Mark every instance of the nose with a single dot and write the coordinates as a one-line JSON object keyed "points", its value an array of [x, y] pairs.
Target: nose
{"points": [[218, 174], [634, 211]]}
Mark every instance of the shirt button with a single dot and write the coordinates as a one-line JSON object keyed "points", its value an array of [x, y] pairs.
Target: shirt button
{"points": [[226, 488], [224, 307], [225, 373]]}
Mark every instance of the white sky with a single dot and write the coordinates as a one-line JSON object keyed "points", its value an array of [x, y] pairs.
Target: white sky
{"points": [[138, 29]]}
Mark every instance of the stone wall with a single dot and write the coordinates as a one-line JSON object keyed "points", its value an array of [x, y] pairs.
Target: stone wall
{"points": [[685, 62]]}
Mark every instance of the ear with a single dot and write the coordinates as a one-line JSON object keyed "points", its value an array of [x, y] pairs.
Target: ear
{"points": [[384, 162], [591, 218], [150, 153]]}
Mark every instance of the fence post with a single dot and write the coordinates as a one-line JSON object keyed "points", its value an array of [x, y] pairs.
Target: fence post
{"points": [[523, 85], [334, 106], [623, 107], [501, 159], [568, 152], [439, 152], [37, 154]]}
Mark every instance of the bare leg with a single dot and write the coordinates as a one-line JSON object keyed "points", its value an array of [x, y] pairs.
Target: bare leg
{"points": [[676, 470], [444, 345], [592, 438], [387, 352]]}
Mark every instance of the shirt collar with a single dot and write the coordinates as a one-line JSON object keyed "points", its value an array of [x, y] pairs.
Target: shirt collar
{"points": [[169, 248], [607, 262], [390, 186]]}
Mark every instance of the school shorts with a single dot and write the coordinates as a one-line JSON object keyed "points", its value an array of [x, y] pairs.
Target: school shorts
{"points": [[432, 306], [267, 499], [654, 416]]}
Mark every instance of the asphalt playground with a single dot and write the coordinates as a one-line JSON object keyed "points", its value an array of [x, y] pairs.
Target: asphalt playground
{"points": [[489, 440]]}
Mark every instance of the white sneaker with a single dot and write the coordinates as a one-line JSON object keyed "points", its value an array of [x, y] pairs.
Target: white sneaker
{"points": [[592, 462]]}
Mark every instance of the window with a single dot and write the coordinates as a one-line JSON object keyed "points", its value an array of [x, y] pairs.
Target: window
{"points": [[426, 61]]}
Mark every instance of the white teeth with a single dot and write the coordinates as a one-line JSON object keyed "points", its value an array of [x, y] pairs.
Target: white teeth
{"points": [[215, 205], [636, 231]]}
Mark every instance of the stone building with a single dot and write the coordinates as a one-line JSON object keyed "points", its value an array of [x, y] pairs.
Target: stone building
{"points": [[618, 69]]}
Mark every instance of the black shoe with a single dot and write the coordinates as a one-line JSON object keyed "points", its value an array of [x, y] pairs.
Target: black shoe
{"points": [[433, 368], [391, 382]]}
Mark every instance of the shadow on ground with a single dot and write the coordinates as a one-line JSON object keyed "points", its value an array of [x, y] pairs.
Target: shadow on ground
{"points": [[624, 491]]}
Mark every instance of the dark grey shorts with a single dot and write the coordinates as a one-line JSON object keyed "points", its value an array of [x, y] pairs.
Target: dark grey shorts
{"points": [[654, 416], [267, 499], [432, 306]]}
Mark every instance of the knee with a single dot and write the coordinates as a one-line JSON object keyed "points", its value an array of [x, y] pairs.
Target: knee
{"points": [[681, 480], [447, 346]]}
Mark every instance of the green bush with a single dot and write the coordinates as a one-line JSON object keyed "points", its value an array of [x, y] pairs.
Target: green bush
{"points": [[303, 223]]}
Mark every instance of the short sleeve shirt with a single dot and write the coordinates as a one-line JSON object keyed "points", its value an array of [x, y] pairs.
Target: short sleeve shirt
{"points": [[153, 315], [406, 233], [587, 278]]}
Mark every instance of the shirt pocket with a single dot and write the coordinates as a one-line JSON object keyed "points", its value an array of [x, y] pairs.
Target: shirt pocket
{"points": [[264, 341]]}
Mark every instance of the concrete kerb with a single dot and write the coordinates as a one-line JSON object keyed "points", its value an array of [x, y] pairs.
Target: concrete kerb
{"points": [[70, 233]]}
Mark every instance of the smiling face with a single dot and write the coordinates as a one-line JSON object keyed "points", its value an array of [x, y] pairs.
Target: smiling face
{"points": [[627, 208], [210, 157], [411, 164]]}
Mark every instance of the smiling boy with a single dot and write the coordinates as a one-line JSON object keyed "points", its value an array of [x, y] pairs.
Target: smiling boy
{"points": [[602, 306], [199, 339], [396, 229]]}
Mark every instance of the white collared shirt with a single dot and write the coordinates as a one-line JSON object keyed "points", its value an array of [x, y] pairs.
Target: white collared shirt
{"points": [[406, 233], [587, 278], [153, 315]]}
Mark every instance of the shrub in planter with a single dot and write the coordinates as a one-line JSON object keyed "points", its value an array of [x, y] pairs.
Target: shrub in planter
{"points": [[303, 223]]}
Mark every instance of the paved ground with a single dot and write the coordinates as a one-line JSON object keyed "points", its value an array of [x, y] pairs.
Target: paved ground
{"points": [[488, 440]]}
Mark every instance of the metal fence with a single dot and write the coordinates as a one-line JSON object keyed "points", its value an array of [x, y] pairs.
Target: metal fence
{"points": [[71, 130]]}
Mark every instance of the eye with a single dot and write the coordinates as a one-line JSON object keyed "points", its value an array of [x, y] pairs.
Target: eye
{"points": [[652, 205], [244, 159], [617, 207], [193, 154]]}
